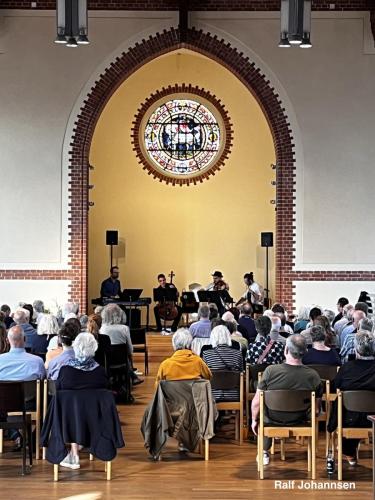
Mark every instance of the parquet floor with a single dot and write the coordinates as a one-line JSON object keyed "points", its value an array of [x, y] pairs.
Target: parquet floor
{"points": [[230, 474]]}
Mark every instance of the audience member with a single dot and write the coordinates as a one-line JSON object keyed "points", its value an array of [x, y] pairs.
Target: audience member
{"points": [[341, 303], [104, 342], [8, 320], [358, 374], [361, 306], [291, 375], [4, 344], [351, 327], [275, 330], [113, 325], [348, 350], [21, 318], [331, 339], [265, 350], [68, 332], [31, 320], [214, 311], [55, 347], [183, 364], [202, 327], [223, 357], [330, 315], [83, 319], [48, 327], [347, 317], [314, 313], [303, 319], [247, 323], [81, 372], [38, 306], [320, 353], [17, 364]]}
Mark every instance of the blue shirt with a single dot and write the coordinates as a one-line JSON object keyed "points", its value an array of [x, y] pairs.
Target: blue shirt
{"points": [[56, 363], [30, 334], [201, 329], [110, 288], [345, 332], [17, 364]]}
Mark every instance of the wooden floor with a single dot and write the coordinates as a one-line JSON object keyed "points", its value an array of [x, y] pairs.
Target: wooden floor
{"points": [[230, 474]]}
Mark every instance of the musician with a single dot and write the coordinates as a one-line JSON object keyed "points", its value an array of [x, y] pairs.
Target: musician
{"points": [[253, 294], [218, 283], [111, 287], [162, 280]]}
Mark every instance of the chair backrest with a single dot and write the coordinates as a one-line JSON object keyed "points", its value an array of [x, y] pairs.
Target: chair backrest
{"points": [[118, 355], [51, 387], [287, 400], [361, 401], [138, 335], [253, 371], [325, 372], [226, 379], [12, 396]]}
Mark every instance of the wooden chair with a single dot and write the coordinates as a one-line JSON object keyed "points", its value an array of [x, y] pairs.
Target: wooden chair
{"points": [[357, 401], [327, 374], [77, 405], [13, 400], [138, 336], [288, 401], [253, 375], [118, 368], [224, 380], [32, 393]]}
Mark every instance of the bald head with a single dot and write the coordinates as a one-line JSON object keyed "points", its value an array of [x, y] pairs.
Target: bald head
{"points": [[16, 337], [357, 316]]}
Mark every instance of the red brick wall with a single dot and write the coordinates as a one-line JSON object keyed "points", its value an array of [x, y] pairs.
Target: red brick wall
{"points": [[226, 5]]}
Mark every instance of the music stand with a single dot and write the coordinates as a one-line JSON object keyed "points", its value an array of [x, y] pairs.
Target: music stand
{"points": [[131, 294]]}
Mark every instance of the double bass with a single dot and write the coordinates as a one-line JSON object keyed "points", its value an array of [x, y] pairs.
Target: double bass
{"points": [[168, 310]]}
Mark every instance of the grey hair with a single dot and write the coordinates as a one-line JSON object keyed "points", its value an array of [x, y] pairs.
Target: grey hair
{"points": [[330, 315], [268, 313], [48, 325], [112, 315], [21, 316], [15, 334], [364, 344], [38, 306], [296, 345], [182, 339], [70, 308], [366, 324], [83, 320], [220, 335], [304, 313], [98, 309], [203, 312], [317, 333], [85, 346]]}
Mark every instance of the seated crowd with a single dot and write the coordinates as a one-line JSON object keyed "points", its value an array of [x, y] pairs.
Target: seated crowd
{"points": [[73, 350]]}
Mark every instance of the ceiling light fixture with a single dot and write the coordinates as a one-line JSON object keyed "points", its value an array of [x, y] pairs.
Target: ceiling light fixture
{"points": [[71, 17], [295, 18]]}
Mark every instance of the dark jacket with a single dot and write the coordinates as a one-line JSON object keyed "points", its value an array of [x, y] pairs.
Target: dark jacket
{"points": [[183, 409], [85, 417], [75, 379]]}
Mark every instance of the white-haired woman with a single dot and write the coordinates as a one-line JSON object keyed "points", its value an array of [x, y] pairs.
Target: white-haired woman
{"points": [[183, 364], [303, 319], [223, 357], [48, 328], [82, 372]]}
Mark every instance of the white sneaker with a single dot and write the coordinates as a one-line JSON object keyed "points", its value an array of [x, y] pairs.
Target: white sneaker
{"points": [[138, 372], [266, 458], [71, 462]]}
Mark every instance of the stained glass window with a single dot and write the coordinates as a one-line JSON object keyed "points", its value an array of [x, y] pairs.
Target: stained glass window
{"points": [[182, 137]]}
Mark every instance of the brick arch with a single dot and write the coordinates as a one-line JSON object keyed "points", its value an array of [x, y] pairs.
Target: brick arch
{"points": [[250, 76]]}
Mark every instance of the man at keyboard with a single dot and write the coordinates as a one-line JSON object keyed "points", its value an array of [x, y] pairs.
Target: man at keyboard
{"points": [[111, 287]]}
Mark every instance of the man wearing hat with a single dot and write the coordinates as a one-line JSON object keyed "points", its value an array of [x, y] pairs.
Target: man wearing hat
{"points": [[218, 282]]}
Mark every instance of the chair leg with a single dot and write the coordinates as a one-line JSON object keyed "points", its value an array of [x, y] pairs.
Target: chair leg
{"points": [[55, 472], [241, 426], [30, 444], [313, 456], [237, 434], [108, 470], [260, 459], [309, 454], [24, 433], [1, 440], [272, 451], [206, 449], [282, 449], [37, 439], [146, 362], [339, 458]]}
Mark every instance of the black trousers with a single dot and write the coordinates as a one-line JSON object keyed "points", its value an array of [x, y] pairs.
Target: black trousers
{"points": [[175, 323]]}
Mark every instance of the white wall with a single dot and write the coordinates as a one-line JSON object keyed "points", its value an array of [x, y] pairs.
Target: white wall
{"points": [[327, 91], [326, 293]]}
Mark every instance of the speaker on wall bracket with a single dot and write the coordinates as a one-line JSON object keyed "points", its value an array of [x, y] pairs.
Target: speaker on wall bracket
{"points": [[111, 239]]}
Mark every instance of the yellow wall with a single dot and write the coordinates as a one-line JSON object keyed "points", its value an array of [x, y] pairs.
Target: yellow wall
{"points": [[193, 230]]}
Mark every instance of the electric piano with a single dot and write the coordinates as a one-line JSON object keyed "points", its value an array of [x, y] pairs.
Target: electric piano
{"points": [[128, 304]]}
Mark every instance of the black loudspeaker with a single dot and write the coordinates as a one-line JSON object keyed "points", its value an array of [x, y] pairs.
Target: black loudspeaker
{"points": [[111, 238], [266, 239]]}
